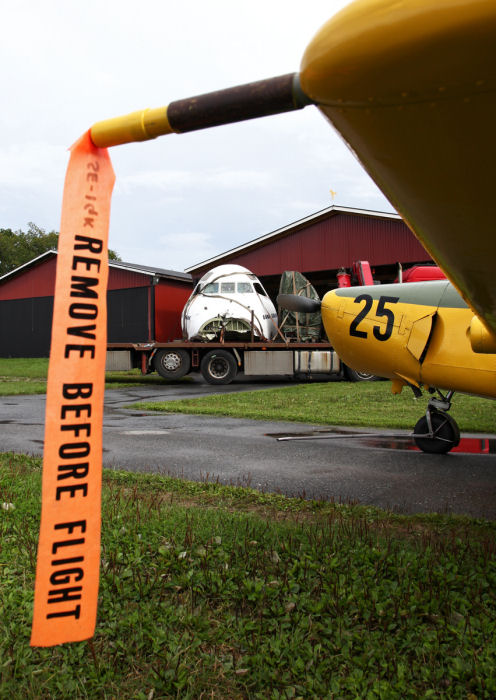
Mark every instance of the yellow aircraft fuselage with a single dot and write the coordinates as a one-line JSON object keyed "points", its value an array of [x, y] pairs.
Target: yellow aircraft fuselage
{"points": [[419, 334]]}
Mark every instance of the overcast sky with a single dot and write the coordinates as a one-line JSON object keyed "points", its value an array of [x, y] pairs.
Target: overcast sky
{"points": [[179, 199]]}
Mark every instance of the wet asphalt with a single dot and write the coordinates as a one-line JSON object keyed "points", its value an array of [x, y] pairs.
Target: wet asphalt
{"points": [[357, 466]]}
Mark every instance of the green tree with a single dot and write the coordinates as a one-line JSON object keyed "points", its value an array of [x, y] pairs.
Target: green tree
{"points": [[18, 247]]}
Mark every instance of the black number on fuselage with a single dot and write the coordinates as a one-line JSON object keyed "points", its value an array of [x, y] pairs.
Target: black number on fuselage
{"points": [[361, 315], [382, 311], [379, 334]]}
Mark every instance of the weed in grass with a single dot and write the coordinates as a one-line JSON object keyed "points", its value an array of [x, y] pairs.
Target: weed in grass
{"points": [[221, 592]]}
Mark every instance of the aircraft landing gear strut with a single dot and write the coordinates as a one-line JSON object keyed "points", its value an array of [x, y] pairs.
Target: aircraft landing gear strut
{"points": [[437, 432]]}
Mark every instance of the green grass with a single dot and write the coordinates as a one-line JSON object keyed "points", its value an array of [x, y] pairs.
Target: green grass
{"points": [[20, 375], [335, 403], [221, 592], [27, 367]]}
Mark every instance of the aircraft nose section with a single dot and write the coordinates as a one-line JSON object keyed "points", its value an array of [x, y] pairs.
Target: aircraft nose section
{"points": [[374, 330], [352, 327]]}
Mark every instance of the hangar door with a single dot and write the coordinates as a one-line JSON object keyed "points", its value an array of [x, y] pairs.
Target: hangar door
{"points": [[25, 324]]}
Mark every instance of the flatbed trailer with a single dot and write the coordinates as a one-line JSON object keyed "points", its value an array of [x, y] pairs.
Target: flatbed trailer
{"points": [[220, 362]]}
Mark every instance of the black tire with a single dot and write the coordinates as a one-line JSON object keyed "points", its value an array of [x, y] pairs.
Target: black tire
{"points": [[172, 363], [353, 376], [218, 367], [446, 433]]}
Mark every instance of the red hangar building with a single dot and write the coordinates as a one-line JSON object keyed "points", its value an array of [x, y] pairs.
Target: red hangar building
{"points": [[321, 244], [144, 304]]}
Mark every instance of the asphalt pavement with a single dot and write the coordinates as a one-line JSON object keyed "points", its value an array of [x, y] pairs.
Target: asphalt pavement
{"points": [[352, 466]]}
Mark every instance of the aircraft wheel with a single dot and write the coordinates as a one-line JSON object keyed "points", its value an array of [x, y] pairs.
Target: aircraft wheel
{"points": [[219, 367], [172, 364], [446, 433], [353, 376]]}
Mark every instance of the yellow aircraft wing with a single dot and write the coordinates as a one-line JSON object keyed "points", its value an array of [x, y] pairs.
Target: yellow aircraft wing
{"points": [[411, 86]]}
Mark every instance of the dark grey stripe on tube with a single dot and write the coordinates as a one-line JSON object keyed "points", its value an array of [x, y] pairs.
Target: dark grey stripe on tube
{"points": [[259, 99]]}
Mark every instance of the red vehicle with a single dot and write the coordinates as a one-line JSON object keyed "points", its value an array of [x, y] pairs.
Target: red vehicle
{"points": [[422, 273]]}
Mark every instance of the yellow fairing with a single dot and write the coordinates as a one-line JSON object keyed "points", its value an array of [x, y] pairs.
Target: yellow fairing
{"points": [[411, 85], [480, 339], [450, 362]]}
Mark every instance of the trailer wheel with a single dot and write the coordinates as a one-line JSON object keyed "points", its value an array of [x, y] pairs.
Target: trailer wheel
{"points": [[218, 367], [172, 364]]}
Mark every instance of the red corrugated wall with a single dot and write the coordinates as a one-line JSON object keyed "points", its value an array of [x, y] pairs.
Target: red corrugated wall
{"points": [[331, 243], [38, 281], [170, 298], [125, 279]]}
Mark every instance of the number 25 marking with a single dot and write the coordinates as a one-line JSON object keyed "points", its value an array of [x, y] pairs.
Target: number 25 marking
{"points": [[379, 334]]}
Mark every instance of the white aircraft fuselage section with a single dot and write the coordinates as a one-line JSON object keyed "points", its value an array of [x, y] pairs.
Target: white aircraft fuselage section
{"points": [[230, 300]]}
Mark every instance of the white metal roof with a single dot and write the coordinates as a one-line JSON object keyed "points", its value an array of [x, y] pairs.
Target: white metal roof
{"points": [[132, 267]]}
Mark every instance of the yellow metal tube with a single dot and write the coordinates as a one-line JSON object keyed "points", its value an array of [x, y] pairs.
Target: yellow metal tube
{"points": [[137, 126]]}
